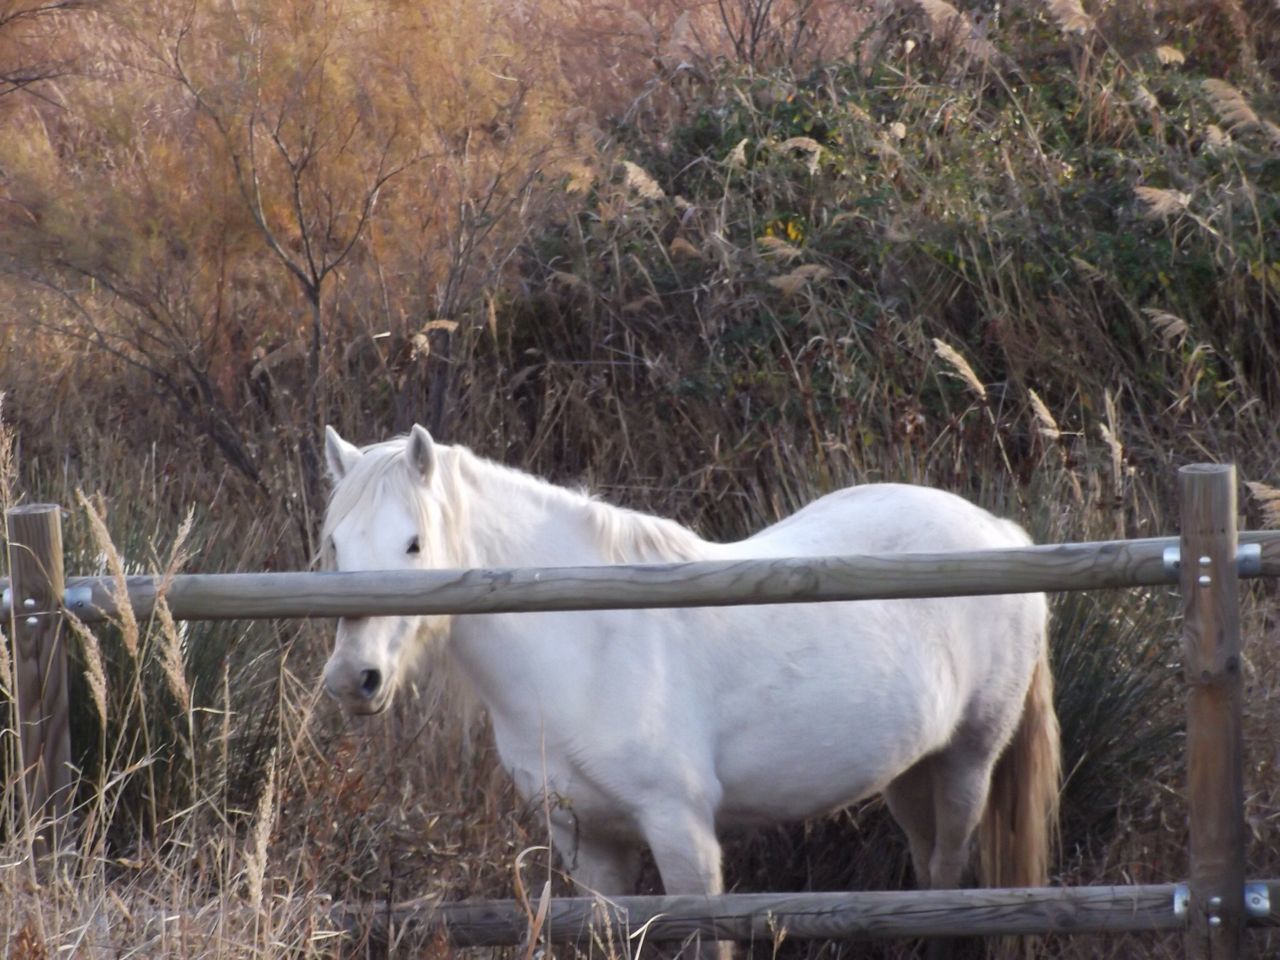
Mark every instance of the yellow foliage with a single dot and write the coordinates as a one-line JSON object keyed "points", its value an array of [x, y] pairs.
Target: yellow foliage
{"points": [[224, 160]]}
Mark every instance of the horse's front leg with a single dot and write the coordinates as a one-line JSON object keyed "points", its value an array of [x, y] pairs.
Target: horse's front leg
{"points": [[599, 867], [685, 848]]}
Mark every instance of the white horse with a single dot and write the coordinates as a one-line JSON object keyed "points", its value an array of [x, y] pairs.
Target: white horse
{"points": [[658, 726]]}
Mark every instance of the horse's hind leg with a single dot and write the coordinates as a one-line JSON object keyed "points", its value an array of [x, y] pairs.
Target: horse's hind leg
{"points": [[910, 799], [961, 781]]}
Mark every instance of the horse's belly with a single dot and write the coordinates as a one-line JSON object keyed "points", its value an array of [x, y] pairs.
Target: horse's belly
{"points": [[807, 777]]}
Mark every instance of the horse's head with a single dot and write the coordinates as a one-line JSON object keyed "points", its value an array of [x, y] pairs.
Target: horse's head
{"points": [[384, 514]]}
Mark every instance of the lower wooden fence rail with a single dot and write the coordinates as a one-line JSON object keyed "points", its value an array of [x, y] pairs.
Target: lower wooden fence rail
{"points": [[764, 917]]}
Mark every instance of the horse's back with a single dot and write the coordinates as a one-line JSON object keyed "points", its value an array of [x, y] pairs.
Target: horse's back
{"points": [[883, 518]]}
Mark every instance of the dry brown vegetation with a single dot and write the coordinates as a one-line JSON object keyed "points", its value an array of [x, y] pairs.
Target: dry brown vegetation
{"points": [[710, 259]]}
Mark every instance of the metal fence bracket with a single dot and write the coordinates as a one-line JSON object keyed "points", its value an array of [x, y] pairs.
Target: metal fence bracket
{"points": [[1248, 560], [78, 598], [1181, 892], [1257, 901]]}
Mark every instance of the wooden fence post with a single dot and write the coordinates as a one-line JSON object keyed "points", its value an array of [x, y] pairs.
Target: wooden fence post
{"points": [[1212, 656], [40, 665]]}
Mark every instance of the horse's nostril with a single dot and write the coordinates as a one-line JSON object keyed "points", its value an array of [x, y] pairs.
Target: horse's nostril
{"points": [[370, 681]]}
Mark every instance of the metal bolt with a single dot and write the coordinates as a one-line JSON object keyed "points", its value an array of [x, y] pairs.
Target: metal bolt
{"points": [[29, 602], [1215, 903], [1205, 561], [33, 621], [1205, 580], [1215, 921]]}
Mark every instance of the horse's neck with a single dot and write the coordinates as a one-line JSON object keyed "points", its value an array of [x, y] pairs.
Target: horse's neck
{"points": [[519, 521], [515, 520]]}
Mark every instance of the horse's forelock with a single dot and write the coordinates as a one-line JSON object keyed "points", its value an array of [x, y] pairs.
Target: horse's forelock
{"points": [[382, 471]]}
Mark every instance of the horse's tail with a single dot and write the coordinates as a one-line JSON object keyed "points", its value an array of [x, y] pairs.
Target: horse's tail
{"points": [[1019, 827]]}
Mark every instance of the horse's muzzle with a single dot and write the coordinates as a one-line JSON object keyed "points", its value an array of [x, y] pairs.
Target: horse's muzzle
{"points": [[361, 691]]}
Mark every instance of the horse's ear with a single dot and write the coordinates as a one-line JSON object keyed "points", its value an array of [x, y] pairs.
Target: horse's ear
{"points": [[339, 455], [422, 451]]}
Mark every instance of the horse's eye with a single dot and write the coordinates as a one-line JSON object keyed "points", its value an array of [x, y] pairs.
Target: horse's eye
{"points": [[414, 547]]}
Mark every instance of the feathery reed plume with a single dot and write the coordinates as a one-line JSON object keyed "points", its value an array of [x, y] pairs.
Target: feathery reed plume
{"points": [[8, 466], [681, 247], [738, 155], [1049, 429], [6, 667], [1215, 137], [1230, 106], [1171, 329], [1170, 56], [795, 281], [94, 672], [789, 284], [1162, 203], [1111, 434], [172, 659], [960, 366], [128, 623], [639, 180], [1070, 16], [778, 249], [1048, 425], [264, 822], [807, 145], [946, 23], [1268, 500]]}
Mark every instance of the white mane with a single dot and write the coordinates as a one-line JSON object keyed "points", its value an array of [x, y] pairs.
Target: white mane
{"points": [[464, 482]]}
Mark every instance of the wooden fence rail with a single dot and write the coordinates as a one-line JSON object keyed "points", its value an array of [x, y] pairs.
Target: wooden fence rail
{"points": [[1072, 566], [1208, 560], [760, 917]]}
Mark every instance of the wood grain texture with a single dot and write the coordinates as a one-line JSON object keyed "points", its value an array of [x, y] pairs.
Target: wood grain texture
{"points": [[34, 534], [761, 917], [1079, 566], [1215, 709]]}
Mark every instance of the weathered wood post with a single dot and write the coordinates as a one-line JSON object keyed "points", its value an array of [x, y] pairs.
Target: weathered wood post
{"points": [[1211, 652], [34, 534]]}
